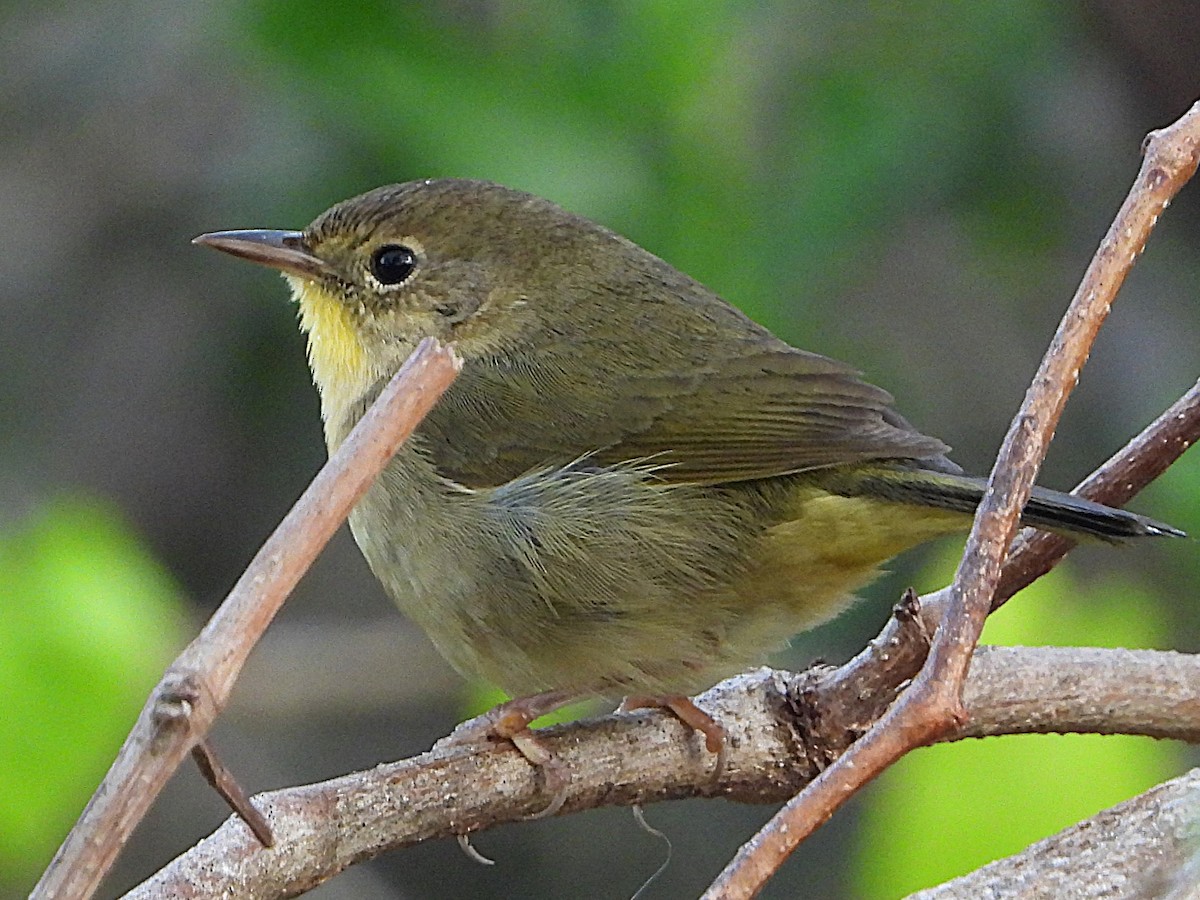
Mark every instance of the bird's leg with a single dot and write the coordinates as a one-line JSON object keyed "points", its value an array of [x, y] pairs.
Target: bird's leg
{"points": [[690, 715], [510, 721]]}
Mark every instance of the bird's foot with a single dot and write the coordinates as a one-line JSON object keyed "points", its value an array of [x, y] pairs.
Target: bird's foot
{"points": [[509, 721], [692, 716]]}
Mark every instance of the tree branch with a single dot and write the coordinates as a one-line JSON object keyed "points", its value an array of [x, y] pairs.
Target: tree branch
{"points": [[1145, 847], [781, 728], [1059, 690], [932, 706]]}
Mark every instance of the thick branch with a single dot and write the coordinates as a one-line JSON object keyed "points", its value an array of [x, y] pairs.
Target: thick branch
{"points": [[1145, 847], [1045, 690], [630, 758]]}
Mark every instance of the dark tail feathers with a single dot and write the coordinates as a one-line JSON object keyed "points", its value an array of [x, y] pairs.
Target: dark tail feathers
{"points": [[1049, 510], [1056, 511]]}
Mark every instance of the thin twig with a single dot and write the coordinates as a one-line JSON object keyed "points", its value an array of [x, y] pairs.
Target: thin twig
{"points": [[217, 774], [932, 705], [195, 688], [1139, 462]]}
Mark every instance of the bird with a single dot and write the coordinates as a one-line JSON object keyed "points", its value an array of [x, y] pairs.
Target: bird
{"points": [[632, 488]]}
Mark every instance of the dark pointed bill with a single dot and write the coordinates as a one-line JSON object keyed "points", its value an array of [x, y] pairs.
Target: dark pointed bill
{"points": [[282, 250]]}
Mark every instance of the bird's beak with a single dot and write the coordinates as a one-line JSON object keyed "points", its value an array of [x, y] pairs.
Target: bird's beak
{"points": [[282, 250]]}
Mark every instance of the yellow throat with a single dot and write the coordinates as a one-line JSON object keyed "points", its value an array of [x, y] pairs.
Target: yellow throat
{"points": [[336, 356]]}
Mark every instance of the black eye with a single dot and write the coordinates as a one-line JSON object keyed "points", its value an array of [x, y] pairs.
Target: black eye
{"points": [[393, 263]]}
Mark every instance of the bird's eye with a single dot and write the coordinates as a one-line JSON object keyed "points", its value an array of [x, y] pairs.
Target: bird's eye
{"points": [[393, 263]]}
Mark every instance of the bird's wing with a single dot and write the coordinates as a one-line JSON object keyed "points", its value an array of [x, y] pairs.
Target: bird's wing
{"points": [[755, 409]]}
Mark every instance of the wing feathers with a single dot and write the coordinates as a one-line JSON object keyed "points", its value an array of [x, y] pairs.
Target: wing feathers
{"points": [[753, 416]]}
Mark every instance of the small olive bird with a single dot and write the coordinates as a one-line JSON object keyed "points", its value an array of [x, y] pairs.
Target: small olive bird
{"points": [[632, 488]]}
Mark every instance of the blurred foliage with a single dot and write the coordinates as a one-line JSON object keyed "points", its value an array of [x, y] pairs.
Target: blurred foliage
{"points": [[91, 620], [482, 697], [910, 188], [951, 808], [763, 148]]}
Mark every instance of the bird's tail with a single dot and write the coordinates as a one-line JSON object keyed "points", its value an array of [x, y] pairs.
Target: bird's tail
{"points": [[1049, 510]]}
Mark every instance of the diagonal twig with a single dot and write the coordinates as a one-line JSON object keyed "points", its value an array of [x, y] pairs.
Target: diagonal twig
{"points": [[1142, 460], [217, 774], [932, 705], [194, 689]]}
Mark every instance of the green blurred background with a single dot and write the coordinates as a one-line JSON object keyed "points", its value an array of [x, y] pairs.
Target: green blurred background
{"points": [[914, 188]]}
